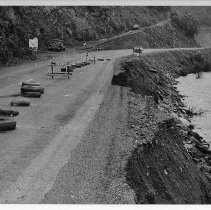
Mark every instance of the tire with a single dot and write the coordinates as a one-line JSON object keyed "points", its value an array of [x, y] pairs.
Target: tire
{"points": [[29, 88], [30, 84], [8, 112], [85, 63], [7, 124], [77, 65], [73, 66], [31, 94], [69, 69], [63, 70], [20, 102]]}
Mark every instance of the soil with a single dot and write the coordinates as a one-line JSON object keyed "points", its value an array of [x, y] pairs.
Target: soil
{"points": [[169, 163], [161, 35]]}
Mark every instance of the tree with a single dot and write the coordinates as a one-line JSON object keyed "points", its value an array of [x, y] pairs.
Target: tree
{"points": [[186, 22]]}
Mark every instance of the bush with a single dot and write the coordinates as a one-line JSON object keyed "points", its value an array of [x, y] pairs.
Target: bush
{"points": [[187, 23]]}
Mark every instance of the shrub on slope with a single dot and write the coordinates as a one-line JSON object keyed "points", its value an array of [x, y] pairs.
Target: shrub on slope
{"points": [[186, 22]]}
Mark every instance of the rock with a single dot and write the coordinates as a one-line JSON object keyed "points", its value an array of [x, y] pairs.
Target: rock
{"points": [[204, 167], [208, 176], [195, 135], [184, 121], [203, 149], [189, 146], [191, 126], [165, 172]]}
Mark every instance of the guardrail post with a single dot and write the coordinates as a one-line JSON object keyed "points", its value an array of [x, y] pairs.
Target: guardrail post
{"points": [[52, 71], [87, 54]]}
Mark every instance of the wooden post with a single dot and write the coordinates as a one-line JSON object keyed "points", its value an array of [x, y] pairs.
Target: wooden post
{"points": [[52, 70], [87, 54], [68, 72], [51, 66]]}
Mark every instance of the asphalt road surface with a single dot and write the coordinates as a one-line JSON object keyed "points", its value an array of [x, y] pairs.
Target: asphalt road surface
{"points": [[54, 125], [63, 149]]}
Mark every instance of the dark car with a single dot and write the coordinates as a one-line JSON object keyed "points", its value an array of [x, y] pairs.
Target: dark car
{"points": [[56, 45], [135, 27]]}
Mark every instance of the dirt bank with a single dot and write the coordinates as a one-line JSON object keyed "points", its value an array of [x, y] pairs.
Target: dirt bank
{"points": [[169, 163], [163, 35]]}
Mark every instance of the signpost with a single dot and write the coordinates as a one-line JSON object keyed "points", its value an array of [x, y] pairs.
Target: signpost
{"points": [[33, 46]]}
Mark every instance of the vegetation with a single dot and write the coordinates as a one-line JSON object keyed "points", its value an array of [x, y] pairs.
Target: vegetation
{"points": [[203, 14], [186, 22], [162, 36], [71, 24]]}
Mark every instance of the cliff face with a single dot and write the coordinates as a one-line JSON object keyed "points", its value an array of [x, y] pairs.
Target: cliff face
{"points": [[71, 24]]}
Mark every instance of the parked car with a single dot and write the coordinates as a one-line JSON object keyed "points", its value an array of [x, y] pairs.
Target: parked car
{"points": [[138, 50], [56, 45], [135, 27]]}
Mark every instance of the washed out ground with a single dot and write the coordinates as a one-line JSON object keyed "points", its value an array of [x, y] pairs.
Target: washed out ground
{"points": [[168, 163], [148, 157], [73, 144]]}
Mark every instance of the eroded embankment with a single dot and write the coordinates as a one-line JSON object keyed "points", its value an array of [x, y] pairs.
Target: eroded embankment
{"points": [[169, 163]]}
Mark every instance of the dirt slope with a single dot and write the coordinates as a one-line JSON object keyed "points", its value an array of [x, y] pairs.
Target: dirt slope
{"points": [[161, 35], [161, 167]]}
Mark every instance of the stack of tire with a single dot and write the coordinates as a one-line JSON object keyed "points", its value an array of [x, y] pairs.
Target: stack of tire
{"points": [[33, 90], [86, 63], [79, 65]]}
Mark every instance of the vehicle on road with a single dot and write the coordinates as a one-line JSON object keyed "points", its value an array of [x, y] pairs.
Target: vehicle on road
{"points": [[56, 45], [135, 27], [138, 50]]}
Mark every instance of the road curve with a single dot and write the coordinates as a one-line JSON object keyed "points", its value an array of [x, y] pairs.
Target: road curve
{"points": [[48, 130], [65, 143]]}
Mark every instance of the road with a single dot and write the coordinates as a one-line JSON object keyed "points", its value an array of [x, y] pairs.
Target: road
{"points": [[66, 145], [52, 127]]}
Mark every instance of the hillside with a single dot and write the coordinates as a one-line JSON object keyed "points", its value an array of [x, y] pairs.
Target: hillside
{"points": [[71, 24], [202, 13], [164, 35]]}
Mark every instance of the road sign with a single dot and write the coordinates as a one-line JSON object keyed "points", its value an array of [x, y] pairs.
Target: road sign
{"points": [[33, 43]]}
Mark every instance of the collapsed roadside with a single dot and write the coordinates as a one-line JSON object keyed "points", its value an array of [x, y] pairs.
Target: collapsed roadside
{"points": [[169, 163]]}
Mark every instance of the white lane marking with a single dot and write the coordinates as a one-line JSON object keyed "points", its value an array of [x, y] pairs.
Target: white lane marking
{"points": [[39, 177]]}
